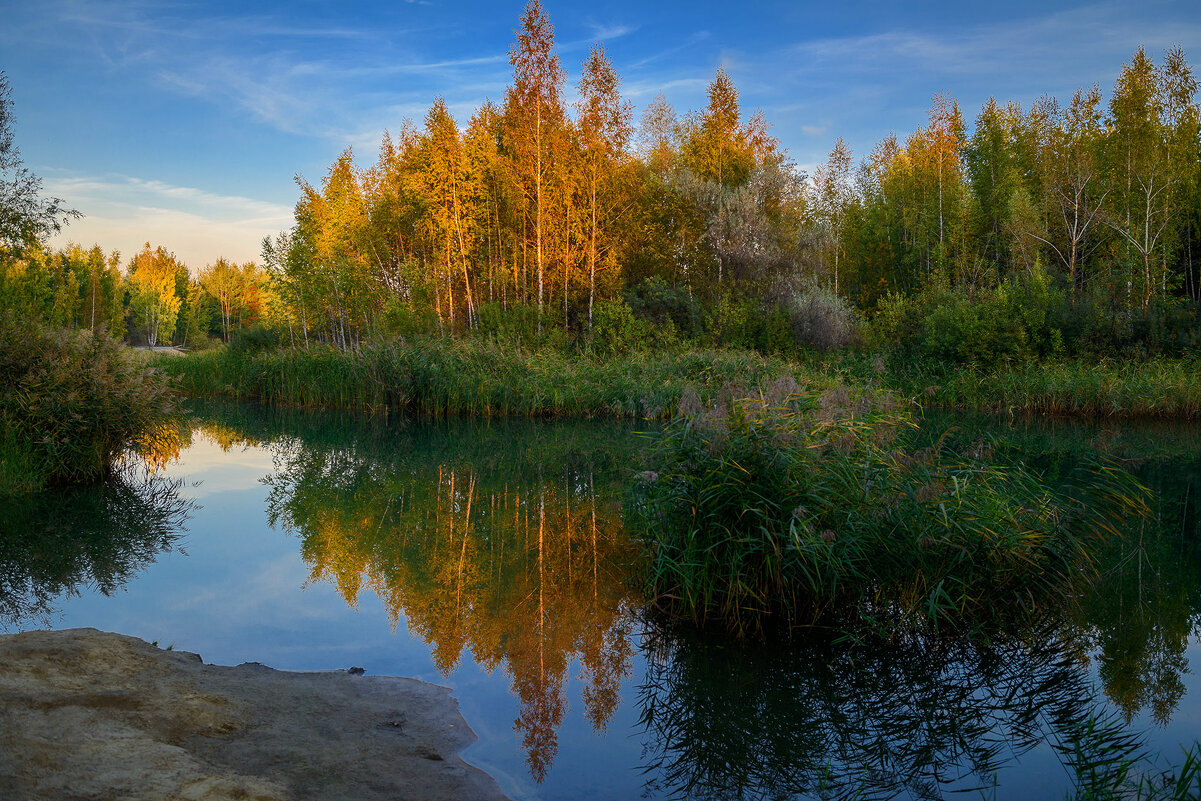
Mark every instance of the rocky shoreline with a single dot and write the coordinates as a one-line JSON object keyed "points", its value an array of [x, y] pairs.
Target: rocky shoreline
{"points": [[86, 714]]}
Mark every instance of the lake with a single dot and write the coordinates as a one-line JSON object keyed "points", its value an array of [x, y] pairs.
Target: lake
{"points": [[490, 557]]}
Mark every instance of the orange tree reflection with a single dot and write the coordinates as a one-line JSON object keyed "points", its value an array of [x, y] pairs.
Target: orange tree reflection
{"points": [[522, 562]]}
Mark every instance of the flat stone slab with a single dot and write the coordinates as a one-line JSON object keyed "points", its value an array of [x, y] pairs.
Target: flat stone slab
{"points": [[90, 715]]}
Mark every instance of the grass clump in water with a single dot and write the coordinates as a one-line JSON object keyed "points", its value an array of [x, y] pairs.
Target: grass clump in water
{"points": [[802, 508], [70, 403]]}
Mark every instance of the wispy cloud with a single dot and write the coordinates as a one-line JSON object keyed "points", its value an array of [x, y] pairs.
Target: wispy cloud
{"points": [[691, 41], [609, 32], [1070, 45]]}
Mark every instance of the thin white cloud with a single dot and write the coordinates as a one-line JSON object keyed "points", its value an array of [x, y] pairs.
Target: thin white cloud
{"points": [[607, 33], [692, 40], [861, 86], [1069, 44]]}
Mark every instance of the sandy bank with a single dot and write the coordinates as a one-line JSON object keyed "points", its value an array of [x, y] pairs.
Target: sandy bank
{"points": [[90, 715]]}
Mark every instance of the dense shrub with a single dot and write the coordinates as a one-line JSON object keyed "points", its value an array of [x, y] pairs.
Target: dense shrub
{"points": [[254, 339], [615, 329], [70, 403], [518, 325], [1019, 320], [821, 320], [733, 321], [664, 306]]}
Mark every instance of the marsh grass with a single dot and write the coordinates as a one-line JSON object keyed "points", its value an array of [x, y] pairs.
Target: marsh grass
{"points": [[442, 377], [70, 403], [1155, 388], [797, 507]]}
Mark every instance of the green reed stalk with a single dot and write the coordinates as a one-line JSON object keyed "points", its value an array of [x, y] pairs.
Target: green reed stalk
{"points": [[800, 507]]}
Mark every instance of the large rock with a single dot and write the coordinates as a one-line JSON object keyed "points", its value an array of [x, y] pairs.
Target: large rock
{"points": [[90, 715]]}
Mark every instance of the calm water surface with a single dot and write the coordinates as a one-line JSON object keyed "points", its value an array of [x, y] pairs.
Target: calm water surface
{"points": [[491, 558]]}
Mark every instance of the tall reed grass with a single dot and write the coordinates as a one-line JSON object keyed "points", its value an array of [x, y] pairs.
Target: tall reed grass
{"points": [[1156, 388], [472, 378], [799, 507]]}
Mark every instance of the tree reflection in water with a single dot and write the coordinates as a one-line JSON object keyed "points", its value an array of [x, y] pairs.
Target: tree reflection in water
{"points": [[504, 541], [492, 543], [56, 542], [1138, 618], [914, 715]]}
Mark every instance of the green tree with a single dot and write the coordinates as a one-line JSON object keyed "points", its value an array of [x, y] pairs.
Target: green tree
{"points": [[226, 283], [1074, 187], [833, 185], [1145, 167], [331, 224]]}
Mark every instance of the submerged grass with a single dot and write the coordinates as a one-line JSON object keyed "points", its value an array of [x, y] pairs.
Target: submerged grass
{"points": [[799, 507], [472, 378]]}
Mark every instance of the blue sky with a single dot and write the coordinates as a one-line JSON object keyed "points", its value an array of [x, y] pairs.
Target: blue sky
{"points": [[184, 123]]}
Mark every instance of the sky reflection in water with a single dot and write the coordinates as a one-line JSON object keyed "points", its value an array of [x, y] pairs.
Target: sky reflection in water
{"points": [[496, 554]]}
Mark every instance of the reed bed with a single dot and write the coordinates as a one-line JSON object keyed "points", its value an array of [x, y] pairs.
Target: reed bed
{"points": [[442, 377], [1157, 388], [483, 378], [800, 508]]}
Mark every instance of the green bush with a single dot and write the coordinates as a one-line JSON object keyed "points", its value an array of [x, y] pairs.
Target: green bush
{"points": [[254, 339], [517, 325], [896, 324], [615, 329], [70, 403], [402, 320], [1019, 320], [665, 306], [734, 322]]}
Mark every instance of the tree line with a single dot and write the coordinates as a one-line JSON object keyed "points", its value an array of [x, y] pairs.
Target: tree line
{"points": [[532, 212], [557, 219], [153, 298], [537, 212]]}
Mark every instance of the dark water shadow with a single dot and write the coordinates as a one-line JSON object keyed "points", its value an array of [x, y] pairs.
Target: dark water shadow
{"points": [[62, 541], [914, 716]]}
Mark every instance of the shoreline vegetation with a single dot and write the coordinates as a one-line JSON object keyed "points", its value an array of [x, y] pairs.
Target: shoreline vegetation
{"points": [[547, 259], [796, 508], [73, 404], [474, 377]]}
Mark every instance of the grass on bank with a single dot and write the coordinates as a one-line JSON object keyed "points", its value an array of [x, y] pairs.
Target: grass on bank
{"points": [[799, 507], [473, 378], [1154, 388], [70, 403], [480, 377]]}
